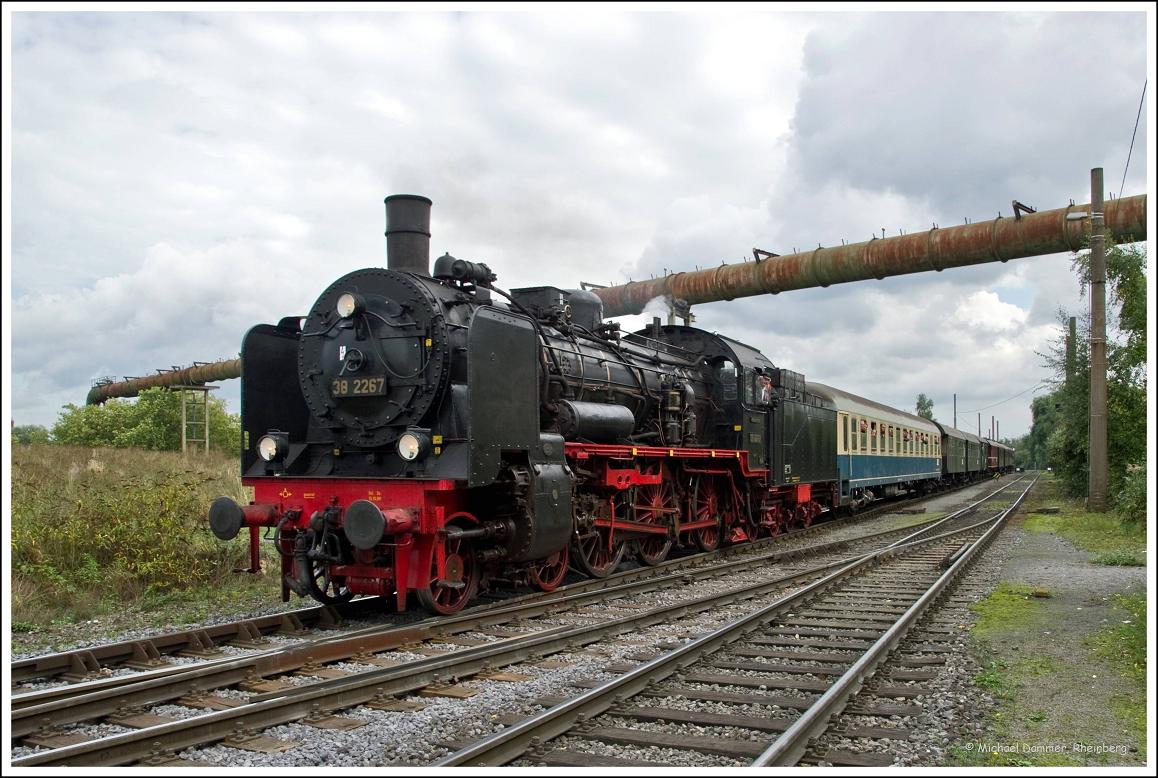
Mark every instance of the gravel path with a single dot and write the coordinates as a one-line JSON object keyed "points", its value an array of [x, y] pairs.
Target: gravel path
{"points": [[1065, 695]]}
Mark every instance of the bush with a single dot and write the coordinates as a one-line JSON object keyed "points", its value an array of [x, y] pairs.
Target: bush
{"points": [[1131, 502], [116, 522], [152, 421], [28, 434]]}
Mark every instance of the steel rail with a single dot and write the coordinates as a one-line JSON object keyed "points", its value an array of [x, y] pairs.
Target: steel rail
{"points": [[961, 512], [787, 749], [46, 665], [509, 744], [87, 700], [281, 707]]}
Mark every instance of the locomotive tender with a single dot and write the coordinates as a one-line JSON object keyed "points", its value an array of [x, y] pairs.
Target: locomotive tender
{"points": [[425, 432]]}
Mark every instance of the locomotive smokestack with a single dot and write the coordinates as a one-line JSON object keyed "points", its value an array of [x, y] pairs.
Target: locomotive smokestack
{"points": [[408, 233]]}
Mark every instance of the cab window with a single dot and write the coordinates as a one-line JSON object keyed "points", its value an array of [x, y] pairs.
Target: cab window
{"points": [[726, 380]]}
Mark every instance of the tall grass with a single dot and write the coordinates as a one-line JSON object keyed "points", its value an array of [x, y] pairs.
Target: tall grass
{"points": [[91, 524]]}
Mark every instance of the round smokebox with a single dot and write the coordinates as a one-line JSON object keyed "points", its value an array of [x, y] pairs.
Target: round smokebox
{"points": [[364, 524], [225, 518]]}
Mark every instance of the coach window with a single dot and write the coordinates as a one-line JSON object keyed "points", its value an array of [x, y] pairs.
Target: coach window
{"points": [[892, 444], [873, 444]]}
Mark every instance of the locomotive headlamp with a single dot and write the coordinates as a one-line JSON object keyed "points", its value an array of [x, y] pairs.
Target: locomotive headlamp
{"points": [[413, 444], [272, 448], [349, 304]]}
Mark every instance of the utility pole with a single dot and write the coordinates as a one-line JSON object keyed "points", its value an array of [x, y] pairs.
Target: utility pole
{"points": [[1072, 349], [979, 425], [1098, 454], [954, 410]]}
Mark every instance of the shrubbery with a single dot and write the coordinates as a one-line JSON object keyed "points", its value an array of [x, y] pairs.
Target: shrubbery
{"points": [[102, 522], [1060, 434], [152, 421], [1131, 502]]}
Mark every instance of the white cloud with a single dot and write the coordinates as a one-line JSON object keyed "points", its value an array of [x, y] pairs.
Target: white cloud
{"points": [[177, 178], [982, 312]]}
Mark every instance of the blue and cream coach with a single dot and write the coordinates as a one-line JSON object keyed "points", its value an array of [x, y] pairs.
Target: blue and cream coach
{"points": [[880, 450]]}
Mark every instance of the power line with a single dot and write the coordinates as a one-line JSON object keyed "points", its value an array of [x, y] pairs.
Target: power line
{"points": [[1007, 399], [1122, 188]]}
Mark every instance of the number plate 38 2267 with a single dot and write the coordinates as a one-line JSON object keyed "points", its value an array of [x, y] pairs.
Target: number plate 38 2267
{"points": [[371, 386]]}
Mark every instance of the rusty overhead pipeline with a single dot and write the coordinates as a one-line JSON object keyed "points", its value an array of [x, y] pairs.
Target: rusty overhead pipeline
{"points": [[189, 376], [997, 240]]}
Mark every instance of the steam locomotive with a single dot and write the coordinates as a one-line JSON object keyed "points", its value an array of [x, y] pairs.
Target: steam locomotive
{"points": [[422, 432]]}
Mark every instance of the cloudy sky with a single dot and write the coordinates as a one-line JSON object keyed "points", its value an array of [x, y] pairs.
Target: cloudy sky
{"points": [[178, 177]]}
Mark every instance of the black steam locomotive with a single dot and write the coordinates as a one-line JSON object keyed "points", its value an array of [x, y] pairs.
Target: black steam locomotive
{"points": [[430, 433]]}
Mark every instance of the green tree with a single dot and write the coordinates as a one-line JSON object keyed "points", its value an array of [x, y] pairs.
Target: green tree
{"points": [[152, 421], [1034, 451], [924, 407], [1061, 418], [28, 434]]}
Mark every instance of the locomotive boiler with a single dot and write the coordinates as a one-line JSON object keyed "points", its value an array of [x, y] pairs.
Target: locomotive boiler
{"points": [[426, 434]]}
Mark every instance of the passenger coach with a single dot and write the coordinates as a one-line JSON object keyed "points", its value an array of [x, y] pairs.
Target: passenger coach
{"points": [[880, 449]]}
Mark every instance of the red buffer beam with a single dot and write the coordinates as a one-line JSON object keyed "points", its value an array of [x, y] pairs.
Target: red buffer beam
{"points": [[998, 240]]}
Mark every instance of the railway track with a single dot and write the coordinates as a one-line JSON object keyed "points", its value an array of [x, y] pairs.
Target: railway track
{"points": [[157, 652], [828, 639], [343, 671]]}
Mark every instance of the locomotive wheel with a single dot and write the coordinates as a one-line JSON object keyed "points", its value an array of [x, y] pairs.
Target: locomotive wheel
{"points": [[706, 505], [448, 595], [550, 572], [595, 552], [595, 555], [325, 589], [655, 504], [801, 515]]}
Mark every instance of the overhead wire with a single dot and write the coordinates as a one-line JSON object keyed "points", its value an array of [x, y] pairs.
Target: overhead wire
{"points": [[1007, 399], [1141, 100]]}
